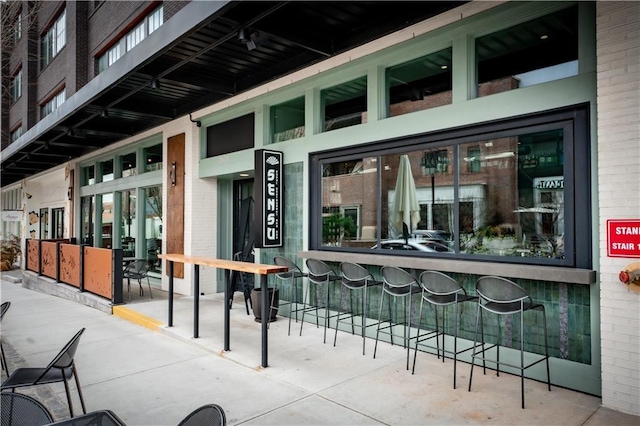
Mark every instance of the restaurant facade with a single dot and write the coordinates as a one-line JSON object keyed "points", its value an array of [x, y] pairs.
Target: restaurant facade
{"points": [[518, 123]]}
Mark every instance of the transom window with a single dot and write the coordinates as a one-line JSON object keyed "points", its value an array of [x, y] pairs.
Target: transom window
{"points": [[345, 105], [537, 51], [53, 40], [148, 25], [420, 84], [504, 191]]}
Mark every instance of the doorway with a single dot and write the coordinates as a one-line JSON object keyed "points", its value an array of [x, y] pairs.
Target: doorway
{"points": [[243, 239], [243, 208]]}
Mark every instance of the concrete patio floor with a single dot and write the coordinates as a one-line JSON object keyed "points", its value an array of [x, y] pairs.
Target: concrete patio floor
{"points": [[157, 377]]}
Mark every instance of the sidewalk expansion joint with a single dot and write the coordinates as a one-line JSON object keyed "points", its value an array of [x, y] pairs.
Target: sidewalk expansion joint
{"points": [[136, 317]]}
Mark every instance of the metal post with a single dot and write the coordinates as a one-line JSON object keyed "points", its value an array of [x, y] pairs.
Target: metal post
{"points": [[196, 298], [266, 314], [170, 293], [227, 308], [433, 201]]}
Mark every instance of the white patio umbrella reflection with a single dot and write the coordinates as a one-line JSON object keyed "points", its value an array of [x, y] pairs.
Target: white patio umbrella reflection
{"points": [[406, 210]]}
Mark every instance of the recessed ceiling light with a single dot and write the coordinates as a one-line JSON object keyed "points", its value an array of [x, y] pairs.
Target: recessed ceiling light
{"points": [[244, 174], [444, 67], [544, 37]]}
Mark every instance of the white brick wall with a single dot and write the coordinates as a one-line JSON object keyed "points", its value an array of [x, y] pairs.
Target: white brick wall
{"points": [[618, 121]]}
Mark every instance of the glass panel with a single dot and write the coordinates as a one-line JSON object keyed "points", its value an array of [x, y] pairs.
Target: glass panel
{"points": [[57, 223], [417, 198], [349, 207], [420, 84], [514, 204], [44, 223], [106, 170], [107, 221], [128, 223], [153, 225], [287, 120], [534, 52], [345, 105], [88, 175], [153, 158], [128, 164], [88, 219]]}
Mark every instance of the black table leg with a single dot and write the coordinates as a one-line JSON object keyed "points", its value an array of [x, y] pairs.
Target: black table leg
{"points": [[227, 308], [196, 299], [266, 315], [171, 293]]}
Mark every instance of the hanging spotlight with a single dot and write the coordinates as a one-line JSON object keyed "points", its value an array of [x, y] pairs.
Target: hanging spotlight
{"points": [[243, 36], [155, 83], [104, 113]]}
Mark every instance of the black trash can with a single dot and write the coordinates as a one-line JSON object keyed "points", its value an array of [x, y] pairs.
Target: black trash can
{"points": [[256, 303]]}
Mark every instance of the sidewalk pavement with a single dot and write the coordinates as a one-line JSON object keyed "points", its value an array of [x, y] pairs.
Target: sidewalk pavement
{"points": [[157, 377]]}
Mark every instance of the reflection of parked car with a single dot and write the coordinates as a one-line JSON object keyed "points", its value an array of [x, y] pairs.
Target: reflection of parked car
{"points": [[442, 237], [415, 245]]}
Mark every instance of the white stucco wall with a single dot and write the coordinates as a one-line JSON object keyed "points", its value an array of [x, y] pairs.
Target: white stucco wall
{"points": [[618, 79]]}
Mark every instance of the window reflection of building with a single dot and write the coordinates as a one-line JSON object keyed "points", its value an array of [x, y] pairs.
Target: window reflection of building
{"points": [[505, 189]]}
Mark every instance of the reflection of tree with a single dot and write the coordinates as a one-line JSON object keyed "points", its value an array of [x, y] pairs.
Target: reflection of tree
{"points": [[154, 200]]}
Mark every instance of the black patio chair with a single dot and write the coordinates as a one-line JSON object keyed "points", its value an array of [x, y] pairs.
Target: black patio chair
{"points": [[3, 360], [137, 270], [207, 415], [60, 369], [22, 410]]}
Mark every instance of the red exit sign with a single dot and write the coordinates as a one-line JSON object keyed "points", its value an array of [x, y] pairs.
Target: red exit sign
{"points": [[623, 237]]}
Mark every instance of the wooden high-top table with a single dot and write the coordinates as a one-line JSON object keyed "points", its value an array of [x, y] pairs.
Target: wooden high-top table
{"points": [[228, 265]]}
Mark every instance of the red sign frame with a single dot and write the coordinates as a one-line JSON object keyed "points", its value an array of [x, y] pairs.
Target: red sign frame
{"points": [[623, 238]]}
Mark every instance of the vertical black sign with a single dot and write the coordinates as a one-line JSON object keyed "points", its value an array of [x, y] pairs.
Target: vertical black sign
{"points": [[268, 185]]}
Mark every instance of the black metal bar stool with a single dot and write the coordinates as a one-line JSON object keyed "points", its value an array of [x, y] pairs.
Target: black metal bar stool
{"points": [[355, 278], [320, 274], [294, 274], [501, 296], [439, 289], [397, 284]]}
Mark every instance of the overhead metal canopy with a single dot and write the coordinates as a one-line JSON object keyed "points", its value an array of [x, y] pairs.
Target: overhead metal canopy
{"points": [[207, 52]]}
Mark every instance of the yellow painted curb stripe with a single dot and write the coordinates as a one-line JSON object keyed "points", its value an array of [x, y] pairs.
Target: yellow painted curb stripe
{"points": [[136, 317]]}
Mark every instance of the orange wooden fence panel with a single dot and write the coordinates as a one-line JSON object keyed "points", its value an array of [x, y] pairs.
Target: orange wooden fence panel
{"points": [[49, 259], [97, 271], [33, 255], [70, 264]]}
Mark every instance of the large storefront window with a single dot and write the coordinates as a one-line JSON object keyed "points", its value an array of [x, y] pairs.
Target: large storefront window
{"points": [[502, 191]]}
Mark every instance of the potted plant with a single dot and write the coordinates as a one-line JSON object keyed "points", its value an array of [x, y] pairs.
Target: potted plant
{"points": [[10, 251], [256, 303]]}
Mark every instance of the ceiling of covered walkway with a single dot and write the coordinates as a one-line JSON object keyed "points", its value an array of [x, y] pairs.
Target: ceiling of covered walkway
{"points": [[207, 52]]}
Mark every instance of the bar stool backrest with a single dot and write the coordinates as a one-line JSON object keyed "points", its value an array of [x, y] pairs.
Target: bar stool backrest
{"points": [[293, 272], [354, 275], [439, 284], [396, 280], [502, 296], [319, 271]]}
